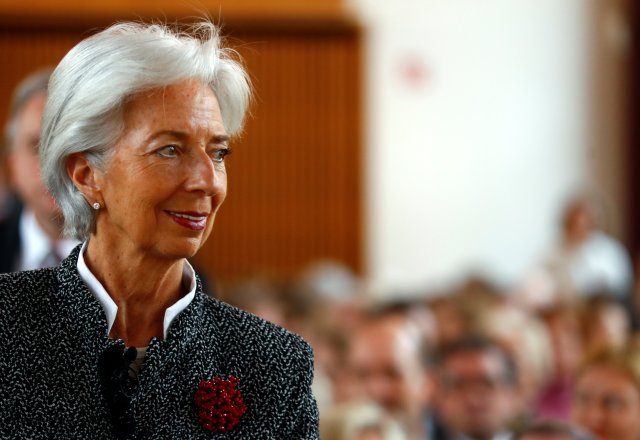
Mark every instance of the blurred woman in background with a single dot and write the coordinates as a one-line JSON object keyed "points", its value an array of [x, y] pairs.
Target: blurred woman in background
{"points": [[607, 395]]}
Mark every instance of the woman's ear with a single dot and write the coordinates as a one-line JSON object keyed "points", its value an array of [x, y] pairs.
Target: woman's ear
{"points": [[84, 176]]}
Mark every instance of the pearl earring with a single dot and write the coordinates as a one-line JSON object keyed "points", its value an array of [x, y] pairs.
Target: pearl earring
{"points": [[96, 206]]}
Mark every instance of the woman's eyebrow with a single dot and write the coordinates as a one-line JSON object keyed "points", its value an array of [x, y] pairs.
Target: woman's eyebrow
{"points": [[180, 135], [168, 133], [221, 139]]}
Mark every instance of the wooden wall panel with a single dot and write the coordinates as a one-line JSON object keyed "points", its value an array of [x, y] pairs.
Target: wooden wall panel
{"points": [[634, 136], [294, 177], [24, 51], [611, 104], [79, 12]]}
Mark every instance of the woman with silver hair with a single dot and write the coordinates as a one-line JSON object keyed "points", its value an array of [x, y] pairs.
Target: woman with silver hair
{"points": [[120, 340]]}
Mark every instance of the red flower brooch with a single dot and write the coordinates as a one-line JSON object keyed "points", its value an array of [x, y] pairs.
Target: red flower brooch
{"points": [[219, 404]]}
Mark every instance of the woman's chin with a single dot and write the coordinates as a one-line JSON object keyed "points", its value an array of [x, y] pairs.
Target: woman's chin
{"points": [[183, 249]]}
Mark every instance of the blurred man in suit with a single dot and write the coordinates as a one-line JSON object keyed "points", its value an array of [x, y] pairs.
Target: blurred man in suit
{"points": [[31, 233], [389, 365], [476, 390]]}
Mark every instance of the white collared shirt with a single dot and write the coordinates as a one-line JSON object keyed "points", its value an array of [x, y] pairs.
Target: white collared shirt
{"points": [[111, 309], [35, 244]]}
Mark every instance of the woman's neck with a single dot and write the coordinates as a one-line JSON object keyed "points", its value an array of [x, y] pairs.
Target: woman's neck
{"points": [[142, 288]]}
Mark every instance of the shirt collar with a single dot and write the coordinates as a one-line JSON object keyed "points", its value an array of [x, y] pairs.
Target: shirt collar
{"points": [[36, 244], [111, 309]]}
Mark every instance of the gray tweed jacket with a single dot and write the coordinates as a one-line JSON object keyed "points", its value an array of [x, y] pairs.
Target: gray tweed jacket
{"points": [[53, 331]]}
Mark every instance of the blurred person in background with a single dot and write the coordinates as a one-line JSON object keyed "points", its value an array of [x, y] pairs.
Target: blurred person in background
{"points": [[464, 310], [556, 393], [586, 261], [594, 261], [258, 296], [306, 311], [412, 312], [480, 309], [607, 395], [7, 198], [451, 322], [31, 235], [476, 390], [333, 292], [331, 383], [605, 322], [526, 338], [389, 365], [553, 430], [325, 303], [359, 421]]}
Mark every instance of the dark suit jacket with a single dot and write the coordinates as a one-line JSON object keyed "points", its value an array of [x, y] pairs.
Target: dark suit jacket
{"points": [[10, 238], [53, 331]]}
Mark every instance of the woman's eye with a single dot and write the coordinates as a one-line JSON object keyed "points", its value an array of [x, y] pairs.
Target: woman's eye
{"points": [[219, 155], [168, 151]]}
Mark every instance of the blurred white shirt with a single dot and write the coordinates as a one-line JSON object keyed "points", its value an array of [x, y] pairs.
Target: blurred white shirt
{"points": [[598, 265], [35, 245]]}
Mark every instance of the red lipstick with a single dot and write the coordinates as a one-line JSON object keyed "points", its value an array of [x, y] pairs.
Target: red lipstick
{"points": [[196, 221]]}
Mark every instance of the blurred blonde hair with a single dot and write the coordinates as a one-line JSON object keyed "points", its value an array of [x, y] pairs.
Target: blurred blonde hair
{"points": [[626, 360], [348, 421]]}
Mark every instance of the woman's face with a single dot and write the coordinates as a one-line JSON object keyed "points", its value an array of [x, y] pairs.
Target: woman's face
{"points": [[607, 403], [167, 177]]}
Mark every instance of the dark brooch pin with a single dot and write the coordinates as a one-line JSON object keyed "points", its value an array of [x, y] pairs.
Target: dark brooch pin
{"points": [[219, 404]]}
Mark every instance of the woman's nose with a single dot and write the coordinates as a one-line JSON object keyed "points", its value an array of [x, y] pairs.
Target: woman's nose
{"points": [[205, 175]]}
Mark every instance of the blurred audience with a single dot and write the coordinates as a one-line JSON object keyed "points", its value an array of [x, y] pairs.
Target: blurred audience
{"points": [[31, 232], [476, 362], [476, 390], [468, 365], [553, 430]]}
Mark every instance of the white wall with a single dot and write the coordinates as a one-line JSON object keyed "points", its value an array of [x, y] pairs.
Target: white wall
{"points": [[476, 132]]}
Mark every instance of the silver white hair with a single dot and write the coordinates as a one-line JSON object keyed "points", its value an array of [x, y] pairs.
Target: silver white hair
{"points": [[88, 90]]}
